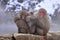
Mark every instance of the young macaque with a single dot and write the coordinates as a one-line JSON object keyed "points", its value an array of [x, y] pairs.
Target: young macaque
{"points": [[21, 22], [31, 20]]}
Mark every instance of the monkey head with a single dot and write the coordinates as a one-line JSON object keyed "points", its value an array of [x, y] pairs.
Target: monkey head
{"points": [[42, 12], [24, 14]]}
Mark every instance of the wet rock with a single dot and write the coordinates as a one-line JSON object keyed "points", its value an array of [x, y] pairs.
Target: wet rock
{"points": [[28, 37], [6, 37], [20, 36], [53, 36]]}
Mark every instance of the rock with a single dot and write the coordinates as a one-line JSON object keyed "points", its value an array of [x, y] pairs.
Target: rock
{"points": [[6, 37], [20, 36], [53, 36], [28, 37]]}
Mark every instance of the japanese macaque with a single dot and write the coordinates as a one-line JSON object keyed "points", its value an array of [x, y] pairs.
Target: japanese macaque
{"points": [[31, 20], [34, 23], [38, 22], [43, 23], [21, 22]]}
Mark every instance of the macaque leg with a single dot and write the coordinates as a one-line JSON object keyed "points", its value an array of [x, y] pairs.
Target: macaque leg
{"points": [[39, 31], [32, 29]]}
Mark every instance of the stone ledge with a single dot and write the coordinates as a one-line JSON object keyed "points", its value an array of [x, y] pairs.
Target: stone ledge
{"points": [[6, 37], [20, 36], [28, 37], [54, 35]]}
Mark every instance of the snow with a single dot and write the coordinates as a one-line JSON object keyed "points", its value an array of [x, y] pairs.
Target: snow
{"points": [[49, 5], [33, 5]]}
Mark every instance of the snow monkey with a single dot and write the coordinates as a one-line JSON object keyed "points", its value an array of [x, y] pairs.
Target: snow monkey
{"points": [[34, 23], [38, 22], [21, 22], [43, 23]]}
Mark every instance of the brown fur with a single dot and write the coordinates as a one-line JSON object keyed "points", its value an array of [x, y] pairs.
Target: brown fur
{"points": [[39, 25], [31, 20], [20, 21], [34, 23], [43, 22]]}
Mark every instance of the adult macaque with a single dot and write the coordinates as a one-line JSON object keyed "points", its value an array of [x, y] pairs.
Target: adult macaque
{"points": [[41, 15], [21, 22], [43, 23], [38, 22]]}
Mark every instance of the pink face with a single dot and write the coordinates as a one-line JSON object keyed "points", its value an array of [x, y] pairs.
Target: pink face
{"points": [[42, 13]]}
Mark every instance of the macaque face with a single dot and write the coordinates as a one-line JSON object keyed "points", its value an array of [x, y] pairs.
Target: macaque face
{"points": [[20, 21], [23, 14], [42, 12]]}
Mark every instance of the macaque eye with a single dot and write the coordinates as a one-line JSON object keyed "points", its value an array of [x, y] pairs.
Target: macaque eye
{"points": [[42, 12]]}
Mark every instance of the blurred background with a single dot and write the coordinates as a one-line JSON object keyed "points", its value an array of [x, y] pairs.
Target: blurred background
{"points": [[9, 8]]}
